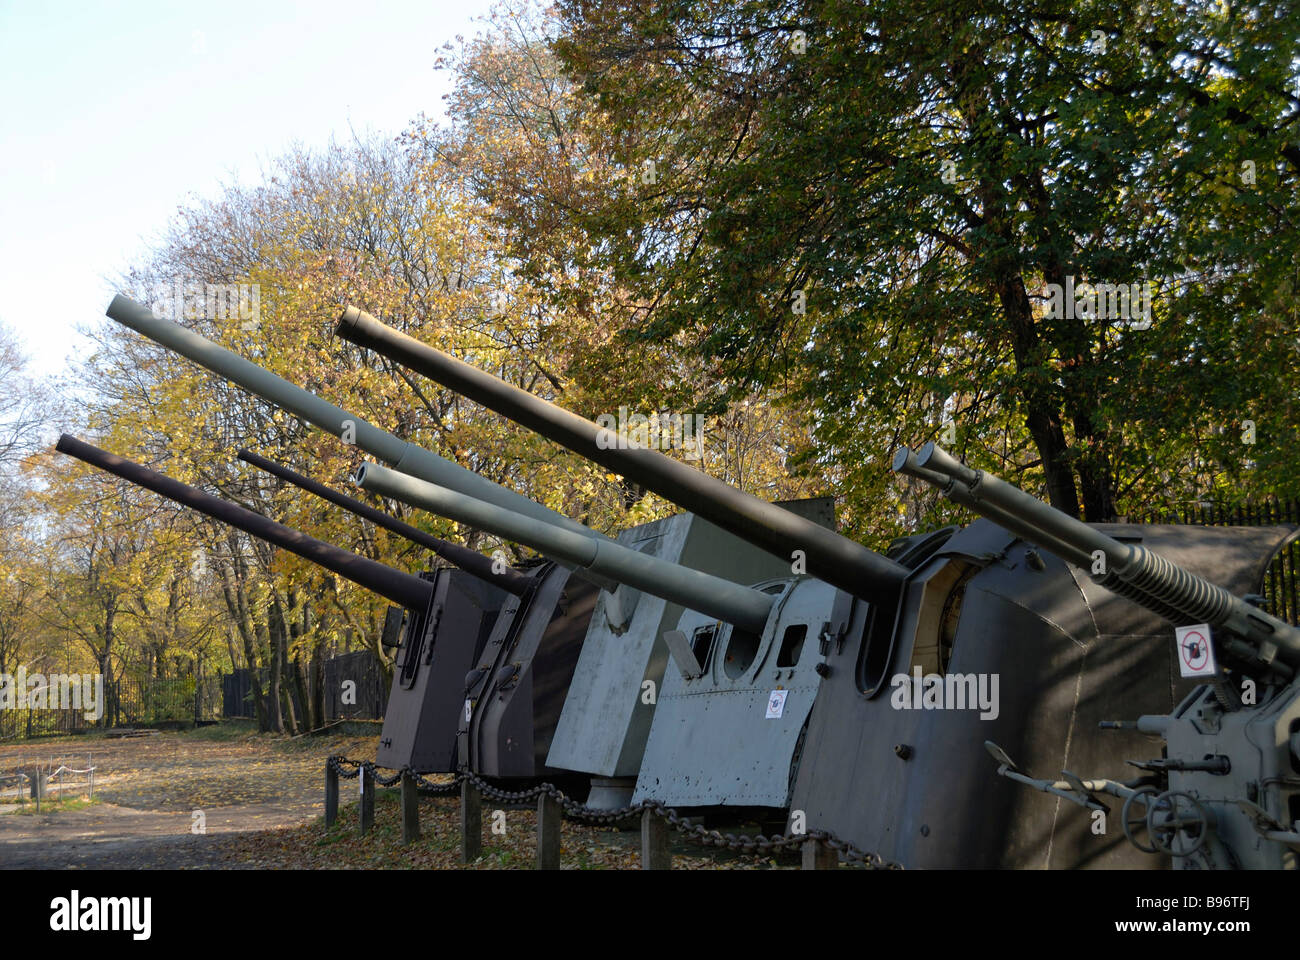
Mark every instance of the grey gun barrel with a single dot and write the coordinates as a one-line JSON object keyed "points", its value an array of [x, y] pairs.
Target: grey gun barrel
{"points": [[905, 462], [401, 588], [1256, 639], [830, 557], [401, 454], [745, 607], [471, 561]]}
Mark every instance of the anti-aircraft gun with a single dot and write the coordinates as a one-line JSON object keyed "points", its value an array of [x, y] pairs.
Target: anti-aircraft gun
{"points": [[418, 599], [909, 655], [530, 654], [721, 600], [553, 599], [730, 719], [1226, 791], [434, 651]]}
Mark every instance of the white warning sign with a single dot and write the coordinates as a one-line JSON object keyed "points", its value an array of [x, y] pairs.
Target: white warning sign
{"points": [[776, 704], [1195, 653]]}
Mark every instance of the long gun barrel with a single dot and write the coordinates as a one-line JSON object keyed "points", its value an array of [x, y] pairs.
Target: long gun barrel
{"points": [[1256, 640], [403, 455], [830, 557], [743, 606], [401, 588], [471, 561]]}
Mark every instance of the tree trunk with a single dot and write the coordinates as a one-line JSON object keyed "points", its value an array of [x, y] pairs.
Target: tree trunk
{"points": [[318, 683], [232, 591], [276, 674]]}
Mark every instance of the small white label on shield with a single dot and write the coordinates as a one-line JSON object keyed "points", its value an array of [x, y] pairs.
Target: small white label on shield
{"points": [[1195, 652], [776, 704], [469, 710]]}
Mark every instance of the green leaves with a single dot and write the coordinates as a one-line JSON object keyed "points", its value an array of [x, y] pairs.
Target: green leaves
{"points": [[924, 186]]}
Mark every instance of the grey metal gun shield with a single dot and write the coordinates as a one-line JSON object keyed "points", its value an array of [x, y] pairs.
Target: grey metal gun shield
{"points": [[517, 690], [729, 737], [438, 647], [607, 716], [915, 785]]}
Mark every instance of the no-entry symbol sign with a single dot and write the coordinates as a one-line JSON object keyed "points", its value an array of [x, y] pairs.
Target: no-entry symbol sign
{"points": [[1195, 652]]}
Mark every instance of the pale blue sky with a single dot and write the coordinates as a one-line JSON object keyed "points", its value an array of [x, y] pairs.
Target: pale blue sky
{"points": [[114, 114]]}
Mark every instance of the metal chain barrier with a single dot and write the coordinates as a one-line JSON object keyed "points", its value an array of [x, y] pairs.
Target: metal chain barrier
{"points": [[437, 789], [694, 832], [337, 763]]}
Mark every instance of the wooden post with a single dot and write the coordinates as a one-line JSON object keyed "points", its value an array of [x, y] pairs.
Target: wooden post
{"points": [[410, 808], [818, 856], [331, 795], [655, 854], [471, 822], [38, 785], [548, 832], [367, 800]]}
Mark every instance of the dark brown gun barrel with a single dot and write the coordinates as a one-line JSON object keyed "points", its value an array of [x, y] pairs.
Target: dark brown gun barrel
{"points": [[830, 557], [400, 588], [471, 561]]}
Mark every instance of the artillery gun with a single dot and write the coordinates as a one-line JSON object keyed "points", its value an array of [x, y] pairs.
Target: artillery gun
{"points": [[1225, 793], [531, 651], [720, 600], [955, 638], [741, 694], [556, 632], [428, 605], [434, 652]]}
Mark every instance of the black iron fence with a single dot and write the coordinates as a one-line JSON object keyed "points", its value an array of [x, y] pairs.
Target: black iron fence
{"points": [[1281, 591], [25, 723], [125, 703], [355, 687], [134, 703]]}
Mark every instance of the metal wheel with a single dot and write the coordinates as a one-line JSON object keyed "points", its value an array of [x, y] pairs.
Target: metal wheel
{"points": [[1173, 814], [1132, 824]]}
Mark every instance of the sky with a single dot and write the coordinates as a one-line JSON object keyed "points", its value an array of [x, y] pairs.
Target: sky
{"points": [[115, 114]]}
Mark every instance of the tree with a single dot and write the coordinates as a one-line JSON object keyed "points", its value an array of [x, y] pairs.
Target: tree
{"points": [[864, 206]]}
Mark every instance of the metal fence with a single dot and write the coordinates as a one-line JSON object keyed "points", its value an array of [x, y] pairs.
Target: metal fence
{"points": [[1281, 591], [134, 703], [355, 688], [24, 779], [126, 703], [28, 723]]}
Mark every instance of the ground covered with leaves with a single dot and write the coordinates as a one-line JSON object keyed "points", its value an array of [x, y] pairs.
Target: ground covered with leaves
{"points": [[164, 801], [227, 797], [509, 842]]}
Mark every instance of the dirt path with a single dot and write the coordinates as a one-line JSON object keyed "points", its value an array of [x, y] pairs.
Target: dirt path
{"points": [[153, 791]]}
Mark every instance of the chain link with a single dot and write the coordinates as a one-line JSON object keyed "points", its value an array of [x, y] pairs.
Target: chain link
{"points": [[695, 832]]}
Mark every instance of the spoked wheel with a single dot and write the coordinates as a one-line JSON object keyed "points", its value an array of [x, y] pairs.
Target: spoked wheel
{"points": [[1135, 821], [1176, 814]]}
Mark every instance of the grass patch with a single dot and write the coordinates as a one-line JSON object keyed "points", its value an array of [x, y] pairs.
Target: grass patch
{"points": [[223, 732], [56, 806]]}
